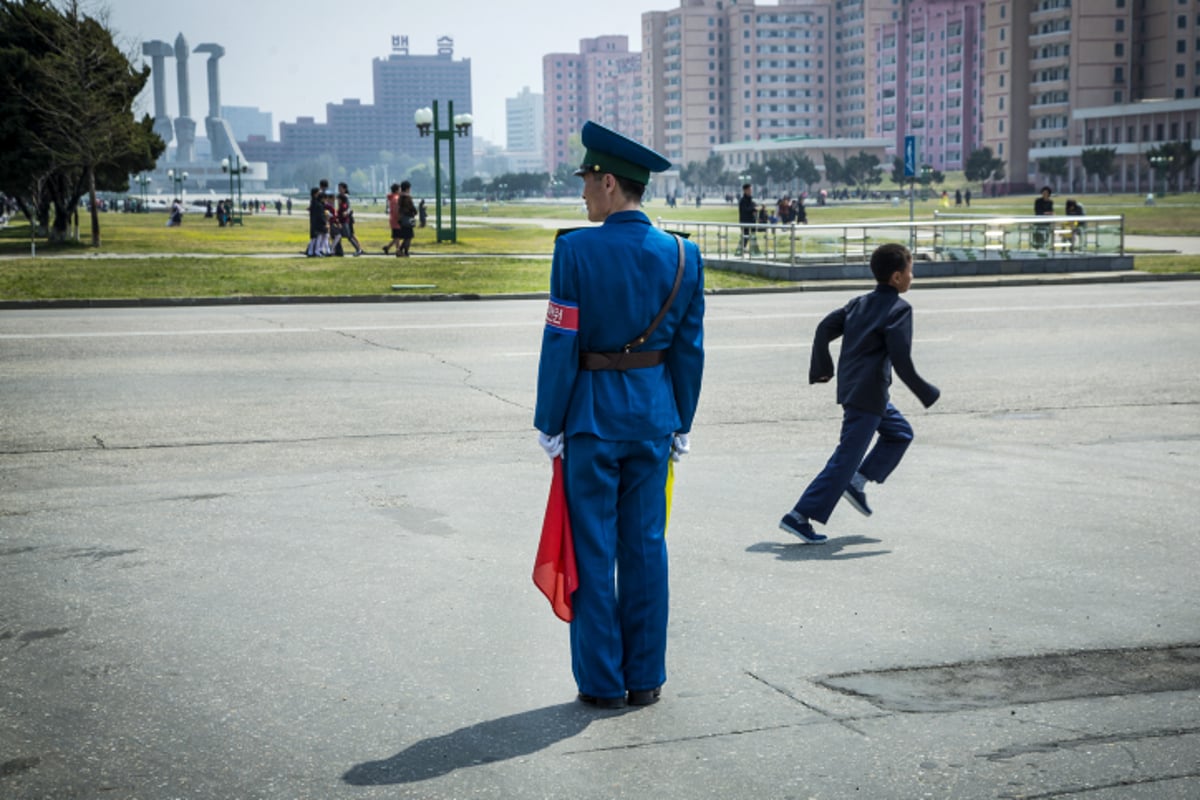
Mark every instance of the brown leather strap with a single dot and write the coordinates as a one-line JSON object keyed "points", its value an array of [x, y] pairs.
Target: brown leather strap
{"points": [[622, 361], [647, 358]]}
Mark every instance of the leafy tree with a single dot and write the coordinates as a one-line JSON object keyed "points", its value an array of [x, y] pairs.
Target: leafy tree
{"points": [[982, 166], [1099, 162], [760, 175], [897, 175], [834, 172], [713, 171], [565, 181], [1176, 158], [862, 169], [690, 174], [69, 127], [1054, 167], [806, 171]]}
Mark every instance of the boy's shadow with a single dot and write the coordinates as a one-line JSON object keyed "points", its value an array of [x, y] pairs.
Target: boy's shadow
{"points": [[832, 550], [493, 740]]}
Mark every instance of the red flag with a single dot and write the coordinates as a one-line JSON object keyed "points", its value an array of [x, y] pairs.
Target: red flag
{"points": [[554, 571]]}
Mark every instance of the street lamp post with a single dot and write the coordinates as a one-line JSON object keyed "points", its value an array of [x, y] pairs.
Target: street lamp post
{"points": [[143, 181], [177, 179], [427, 119], [1160, 164], [235, 168]]}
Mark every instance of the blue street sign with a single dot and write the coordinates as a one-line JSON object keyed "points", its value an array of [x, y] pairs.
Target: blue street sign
{"points": [[910, 156]]}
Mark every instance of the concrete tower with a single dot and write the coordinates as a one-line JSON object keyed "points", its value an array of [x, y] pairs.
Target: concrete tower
{"points": [[220, 136], [159, 51], [185, 127]]}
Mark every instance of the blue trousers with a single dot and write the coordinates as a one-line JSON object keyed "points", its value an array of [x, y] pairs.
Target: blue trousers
{"points": [[858, 429], [616, 493]]}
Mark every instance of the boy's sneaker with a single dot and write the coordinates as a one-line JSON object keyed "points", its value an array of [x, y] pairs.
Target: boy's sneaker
{"points": [[801, 528], [858, 499]]}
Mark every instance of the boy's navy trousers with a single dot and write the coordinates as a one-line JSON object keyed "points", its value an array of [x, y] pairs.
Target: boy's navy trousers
{"points": [[858, 429]]}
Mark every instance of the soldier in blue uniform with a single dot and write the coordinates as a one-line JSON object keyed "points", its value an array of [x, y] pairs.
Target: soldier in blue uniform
{"points": [[616, 399]]}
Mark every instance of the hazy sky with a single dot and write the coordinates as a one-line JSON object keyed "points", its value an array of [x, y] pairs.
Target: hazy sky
{"points": [[291, 57]]}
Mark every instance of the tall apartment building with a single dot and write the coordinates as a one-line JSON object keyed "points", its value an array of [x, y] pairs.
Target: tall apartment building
{"points": [[354, 132], [601, 82], [1063, 77], [723, 71], [525, 125], [1029, 79], [927, 65]]}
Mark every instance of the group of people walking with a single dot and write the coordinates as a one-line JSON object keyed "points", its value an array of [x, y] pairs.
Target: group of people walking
{"points": [[330, 221], [402, 218]]}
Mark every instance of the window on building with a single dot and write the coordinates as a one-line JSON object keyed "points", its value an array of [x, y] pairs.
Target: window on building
{"points": [[1120, 25], [1119, 49], [1181, 45]]}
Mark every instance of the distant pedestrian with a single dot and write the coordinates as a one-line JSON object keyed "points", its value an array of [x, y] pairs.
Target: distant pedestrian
{"points": [[407, 218], [289, 206], [747, 218], [393, 211], [175, 217], [345, 217], [422, 212], [957, 198], [318, 224], [967, 197]]}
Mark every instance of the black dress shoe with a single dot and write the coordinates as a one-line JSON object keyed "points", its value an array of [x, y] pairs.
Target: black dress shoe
{"points": [[602, 702], [645, 697]]}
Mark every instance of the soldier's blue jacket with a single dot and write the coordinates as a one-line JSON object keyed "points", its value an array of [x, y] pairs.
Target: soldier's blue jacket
{"points": [[607, 284]]}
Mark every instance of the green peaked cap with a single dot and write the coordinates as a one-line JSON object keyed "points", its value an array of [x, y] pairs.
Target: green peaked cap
{"points": [[609, 151]]}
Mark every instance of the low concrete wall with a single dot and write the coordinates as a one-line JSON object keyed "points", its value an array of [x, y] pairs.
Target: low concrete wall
{"points": [[927, 269]]}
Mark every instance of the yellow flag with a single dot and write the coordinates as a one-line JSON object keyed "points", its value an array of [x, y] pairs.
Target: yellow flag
{"points": [[670, 491]]}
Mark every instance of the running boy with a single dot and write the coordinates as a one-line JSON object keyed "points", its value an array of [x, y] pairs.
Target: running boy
{"points": [[877, 336]]}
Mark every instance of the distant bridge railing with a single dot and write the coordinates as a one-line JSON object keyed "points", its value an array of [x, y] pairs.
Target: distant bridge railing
{"points": [[945, 238]]}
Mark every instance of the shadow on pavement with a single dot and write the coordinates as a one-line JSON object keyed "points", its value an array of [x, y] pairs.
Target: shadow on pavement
{"points": [[483, 743], [832, 550]]}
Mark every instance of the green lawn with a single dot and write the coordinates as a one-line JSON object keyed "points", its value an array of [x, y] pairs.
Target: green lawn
{"points": [[496, 252]]}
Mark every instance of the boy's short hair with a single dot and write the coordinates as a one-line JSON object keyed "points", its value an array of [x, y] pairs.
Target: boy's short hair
{"points": [[888, 259], [405, 186]]}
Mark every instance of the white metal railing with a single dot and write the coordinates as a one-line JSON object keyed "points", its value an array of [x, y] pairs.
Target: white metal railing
{"points": [[947, 237]]}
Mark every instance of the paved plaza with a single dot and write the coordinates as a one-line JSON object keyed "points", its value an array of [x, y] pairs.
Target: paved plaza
{"points": [[284, 552]]}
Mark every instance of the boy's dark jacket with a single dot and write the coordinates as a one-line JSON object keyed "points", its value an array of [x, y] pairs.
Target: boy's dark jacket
{"points": [[877, 336]]}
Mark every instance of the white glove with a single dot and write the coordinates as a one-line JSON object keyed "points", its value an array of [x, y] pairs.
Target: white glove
{"points": [[680, 446], [553, 445]]}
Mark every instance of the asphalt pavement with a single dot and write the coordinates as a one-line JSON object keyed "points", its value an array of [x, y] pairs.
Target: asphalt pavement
{"points": [[285, 552]]}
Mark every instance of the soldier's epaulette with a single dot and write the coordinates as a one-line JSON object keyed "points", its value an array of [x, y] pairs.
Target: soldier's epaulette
{"points": [[565, 231], [684, 234]]}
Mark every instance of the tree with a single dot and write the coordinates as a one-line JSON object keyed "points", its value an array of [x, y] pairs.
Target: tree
{"points": [[71, 92], [834, 173], [1054, 167], [862, 169], [806, 171], [1099, 162], [982, 166], [1172, 158]]}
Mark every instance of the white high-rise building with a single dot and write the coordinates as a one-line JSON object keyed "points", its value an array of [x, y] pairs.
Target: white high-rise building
{"points": [[525, 131]]}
